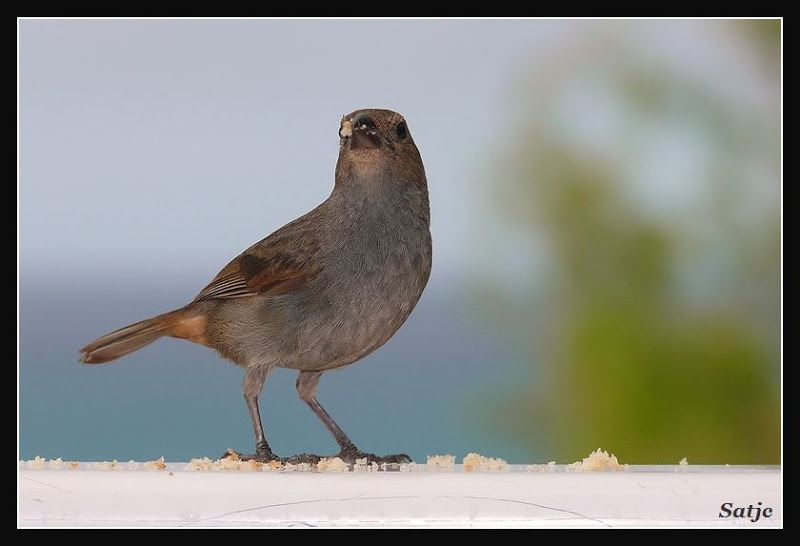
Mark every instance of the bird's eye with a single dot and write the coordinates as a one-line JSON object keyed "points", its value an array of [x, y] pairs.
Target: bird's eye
{"points": [[402, 131]]}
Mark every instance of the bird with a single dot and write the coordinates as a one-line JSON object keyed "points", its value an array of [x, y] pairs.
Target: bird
{"points": [[321, 292]]}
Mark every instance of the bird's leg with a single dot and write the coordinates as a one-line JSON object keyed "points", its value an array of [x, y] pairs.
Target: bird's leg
{"points": [[253, 384], [307, 390]]}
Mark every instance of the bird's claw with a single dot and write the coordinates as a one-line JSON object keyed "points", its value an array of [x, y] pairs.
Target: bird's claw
{"points": [[267, 456], [350, 454]]}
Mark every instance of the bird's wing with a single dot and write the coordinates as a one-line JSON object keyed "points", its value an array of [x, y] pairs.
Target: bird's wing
{"points": [[281, 262]]}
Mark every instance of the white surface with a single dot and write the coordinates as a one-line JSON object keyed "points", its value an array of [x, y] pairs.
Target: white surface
{"points": [[641, 496]]}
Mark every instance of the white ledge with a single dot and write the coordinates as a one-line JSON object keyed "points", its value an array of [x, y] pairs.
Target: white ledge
{"points": [[173, 496]]}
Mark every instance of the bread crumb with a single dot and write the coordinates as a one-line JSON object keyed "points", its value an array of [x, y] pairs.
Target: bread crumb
{"points": [[444, 463], [364, 465], [332, 464], [232, 461], [413, 467], [251, 466], [74, 465], [683, 462], [597, 460], [158, 464], [474, 462], [347, 128], [37, 463], [199, 465], [299, 467], [232, 455], [229, 463], [55, 463], [272, 465], [102, 465], [549, 467]]}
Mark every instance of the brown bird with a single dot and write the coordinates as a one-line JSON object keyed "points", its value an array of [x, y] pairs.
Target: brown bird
{"points": [[323, 291]]}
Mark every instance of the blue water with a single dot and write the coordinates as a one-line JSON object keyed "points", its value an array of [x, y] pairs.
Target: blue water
{"points": [[425, 392]]}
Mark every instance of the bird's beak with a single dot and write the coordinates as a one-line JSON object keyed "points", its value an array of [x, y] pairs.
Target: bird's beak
{"points": [[361, 135], [346, 130]]}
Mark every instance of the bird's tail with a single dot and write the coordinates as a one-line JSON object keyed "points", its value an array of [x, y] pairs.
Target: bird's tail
{"points": [[131, 338]]}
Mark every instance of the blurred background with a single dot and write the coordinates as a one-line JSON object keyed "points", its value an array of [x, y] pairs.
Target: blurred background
{"points": [[606, 204]]}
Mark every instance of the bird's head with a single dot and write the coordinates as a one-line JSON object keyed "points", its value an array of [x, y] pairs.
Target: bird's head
{"points": [[376, 144]]}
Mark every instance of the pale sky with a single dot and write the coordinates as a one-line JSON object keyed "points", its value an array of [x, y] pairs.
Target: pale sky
{"points": [[166, 147], [166, 144]]}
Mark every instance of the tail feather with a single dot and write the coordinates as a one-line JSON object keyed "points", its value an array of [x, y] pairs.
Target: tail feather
{"points": [[128, 339]]}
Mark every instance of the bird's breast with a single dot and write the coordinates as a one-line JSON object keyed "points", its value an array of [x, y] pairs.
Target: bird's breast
{"points": [[364, 295]]}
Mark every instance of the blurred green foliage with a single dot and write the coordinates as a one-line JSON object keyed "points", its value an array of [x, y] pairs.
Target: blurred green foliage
{"points": [[653, 329]]}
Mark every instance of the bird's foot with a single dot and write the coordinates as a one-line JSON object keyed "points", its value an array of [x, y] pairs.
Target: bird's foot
{"points": [[264, 454], [306, 458], [350, 454], [261, 456]]}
